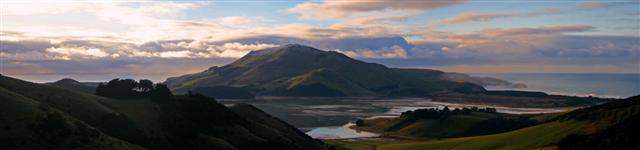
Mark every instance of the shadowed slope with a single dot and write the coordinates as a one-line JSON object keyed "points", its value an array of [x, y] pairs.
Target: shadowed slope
{"points": [[46, 116], [296, 70]]}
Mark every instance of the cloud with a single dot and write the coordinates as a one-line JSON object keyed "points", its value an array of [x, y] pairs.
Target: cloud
{"points": [[533, 31], [386, 19], [118, 20], [140, 12], [335, 9], [590, 5], [235, 20], [512, 40], [394, 51], [471, 17], [466, 17], [42, 7], [86, 50], [66, 53], [541, 45]]}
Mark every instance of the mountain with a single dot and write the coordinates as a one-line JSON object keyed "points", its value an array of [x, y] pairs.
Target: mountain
{"points": [[297, 70], [484, 81], [41, 116], [72, 84]]}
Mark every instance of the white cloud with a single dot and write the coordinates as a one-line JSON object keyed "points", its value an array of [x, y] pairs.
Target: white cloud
{"points": [[334, 9], [67, 53], [176, 54], [235, 20], [394, 51], [179, 49], [126, 21], [236, 50]]}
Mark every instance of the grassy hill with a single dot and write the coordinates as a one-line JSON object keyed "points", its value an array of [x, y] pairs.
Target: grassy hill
{"points": [[297, 70], [28, 124], [527, 138], [40, 116], [72, 84], [608, 126], [456, 125]]}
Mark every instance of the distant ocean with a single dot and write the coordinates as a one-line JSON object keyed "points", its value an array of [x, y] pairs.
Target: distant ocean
{"points": [[600, 85]]}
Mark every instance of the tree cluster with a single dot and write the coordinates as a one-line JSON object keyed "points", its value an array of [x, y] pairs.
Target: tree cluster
{"points": [[435, 113], [129, 88]]}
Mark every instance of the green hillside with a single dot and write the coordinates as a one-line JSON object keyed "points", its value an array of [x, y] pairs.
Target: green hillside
{"points": [[297, 70], [28, 124], [527, 138], [611, 125], [446, 126], [40, 116]]}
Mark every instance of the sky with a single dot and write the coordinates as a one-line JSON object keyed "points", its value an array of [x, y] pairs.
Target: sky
{"points": [[170, 38]]}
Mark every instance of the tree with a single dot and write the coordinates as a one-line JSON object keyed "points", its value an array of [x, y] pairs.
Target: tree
{"points": [[359, 122], [446, 109], [129, 88], [100, 90], [144, 87], [161, 92]]}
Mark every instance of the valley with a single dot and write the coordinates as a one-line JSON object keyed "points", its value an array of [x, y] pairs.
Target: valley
{"points": [[307, 113]]}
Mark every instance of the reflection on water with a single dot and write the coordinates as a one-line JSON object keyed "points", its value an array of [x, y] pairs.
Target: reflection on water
{"points": [[340, 132]]}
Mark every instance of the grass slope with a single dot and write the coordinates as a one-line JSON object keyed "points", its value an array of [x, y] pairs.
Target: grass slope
{"points": [[28, 124], [452, 126], [527, 138], [43, 116]]}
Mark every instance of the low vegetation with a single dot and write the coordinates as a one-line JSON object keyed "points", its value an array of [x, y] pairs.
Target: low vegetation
{"points": [[128, 88]]}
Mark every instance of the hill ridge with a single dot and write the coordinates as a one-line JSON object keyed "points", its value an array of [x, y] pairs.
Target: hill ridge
{"points": [[269, 72]]}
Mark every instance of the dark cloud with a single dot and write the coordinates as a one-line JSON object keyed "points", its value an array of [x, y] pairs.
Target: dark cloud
{"points": [[23, 46], [594, 46]]}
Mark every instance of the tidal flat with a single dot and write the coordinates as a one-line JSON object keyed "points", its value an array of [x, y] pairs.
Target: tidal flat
{"points": [[310, 113]]}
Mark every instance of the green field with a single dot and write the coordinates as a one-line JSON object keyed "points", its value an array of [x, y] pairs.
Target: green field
{"points": [[526, 138], [452, 126]]}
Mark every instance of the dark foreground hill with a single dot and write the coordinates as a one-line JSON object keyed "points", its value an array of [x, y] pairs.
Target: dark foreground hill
{"points": [[613, 125], [72, 84], [40, 116], [297, 70]]}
